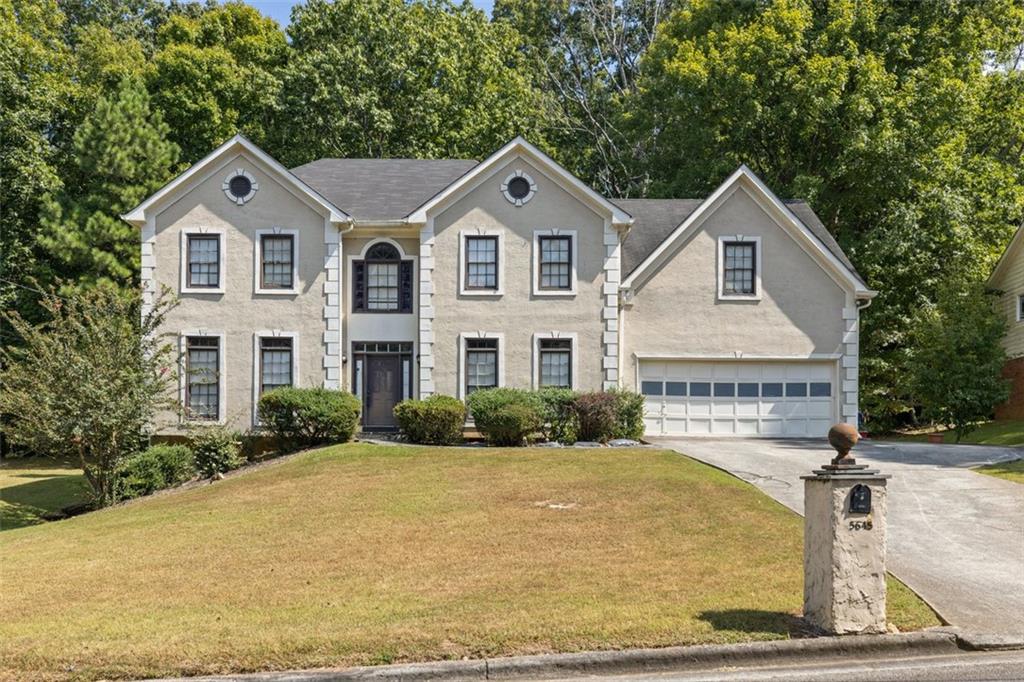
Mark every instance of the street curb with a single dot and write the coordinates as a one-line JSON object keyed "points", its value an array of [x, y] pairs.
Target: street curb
{"points": [[691, 658]]}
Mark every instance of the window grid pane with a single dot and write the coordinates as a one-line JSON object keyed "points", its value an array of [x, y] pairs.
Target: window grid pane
{"points": [[204, 261], [277, 253], [481, 262], [202, 369], [481, 370], [275, 363], [738, 273], [382, 286], [555, 368], [555, 262]]}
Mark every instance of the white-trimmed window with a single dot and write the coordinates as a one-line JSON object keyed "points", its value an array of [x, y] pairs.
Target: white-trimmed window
{"points": [[481, 262], [739, 267], [481, 361], [554, 360], [203, 261], [202, 375], [554, 262], [275, 362], [382, 280], [277, 262], [1020, 307]]}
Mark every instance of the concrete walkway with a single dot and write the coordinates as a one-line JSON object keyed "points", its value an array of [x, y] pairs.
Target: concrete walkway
{"points": [[956, 537]]}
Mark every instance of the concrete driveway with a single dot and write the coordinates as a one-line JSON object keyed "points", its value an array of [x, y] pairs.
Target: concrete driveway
{"points": [[956, 537]]}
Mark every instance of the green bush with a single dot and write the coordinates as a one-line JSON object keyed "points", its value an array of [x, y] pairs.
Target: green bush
{"points": [[629, 414], [301, 418], [498, 424], [437, 420], [596, 416], [512, 425], [216, 449], [559, 420], [156, 468]]}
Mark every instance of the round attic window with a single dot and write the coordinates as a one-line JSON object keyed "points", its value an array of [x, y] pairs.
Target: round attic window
{"points": [[240, 186], [519, 188]]}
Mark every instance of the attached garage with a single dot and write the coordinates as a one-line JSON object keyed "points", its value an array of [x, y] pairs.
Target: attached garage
{"points": [[744, 398]]}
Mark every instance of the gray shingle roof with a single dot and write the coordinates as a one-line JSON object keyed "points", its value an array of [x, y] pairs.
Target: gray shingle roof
{"points": [[380, 189], [655, 220]]}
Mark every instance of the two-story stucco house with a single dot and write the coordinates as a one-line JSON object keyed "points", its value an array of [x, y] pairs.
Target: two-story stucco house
{"points": [[1008, 279], [398, 278]]}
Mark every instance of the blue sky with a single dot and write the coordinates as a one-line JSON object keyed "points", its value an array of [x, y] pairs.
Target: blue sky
{"points": [[281, 9]]}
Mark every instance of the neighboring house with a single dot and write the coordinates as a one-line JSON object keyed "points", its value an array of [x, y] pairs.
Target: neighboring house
{"points": [[1008, 279], [397, 278]]}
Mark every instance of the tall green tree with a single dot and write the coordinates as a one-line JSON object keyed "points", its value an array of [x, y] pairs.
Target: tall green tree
{"points": [[35, 90], [585, 57], [216, 74], [379, 78], [888, 116], [122, 155]]}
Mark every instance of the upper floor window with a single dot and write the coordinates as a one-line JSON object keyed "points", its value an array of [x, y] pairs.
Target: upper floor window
{"points": [[739, 262], [555, 262], [1020, 308], [382, 281], [202, 372], [277, 261], [555, 363], [202, 262], [276, 362], [482, 263]]}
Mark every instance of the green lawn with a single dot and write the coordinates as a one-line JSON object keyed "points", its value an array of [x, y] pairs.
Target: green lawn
{"points": [[32, 486], [364, 554], [1011, 471], [1004, 432]]}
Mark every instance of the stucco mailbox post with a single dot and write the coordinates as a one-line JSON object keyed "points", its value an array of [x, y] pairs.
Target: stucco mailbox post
{"points": [[844, 542]]}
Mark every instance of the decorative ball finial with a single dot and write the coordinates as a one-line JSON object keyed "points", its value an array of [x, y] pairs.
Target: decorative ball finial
{"points": [[843, 437]]}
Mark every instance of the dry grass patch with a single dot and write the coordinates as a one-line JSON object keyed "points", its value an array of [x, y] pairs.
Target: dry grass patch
{"points": [[364, 554]]}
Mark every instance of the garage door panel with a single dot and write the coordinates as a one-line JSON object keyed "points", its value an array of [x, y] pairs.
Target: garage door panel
{"points": [[742, 398]]}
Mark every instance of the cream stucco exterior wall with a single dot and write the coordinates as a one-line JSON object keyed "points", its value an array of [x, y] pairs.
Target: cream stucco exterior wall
{"points": [[802, 312], [1010, 281], [517, 314], [240, 312]]}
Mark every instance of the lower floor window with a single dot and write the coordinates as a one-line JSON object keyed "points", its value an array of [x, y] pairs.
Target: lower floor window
{"points": [[275, 363], [556, 363], [202, 370], [481, 364]]}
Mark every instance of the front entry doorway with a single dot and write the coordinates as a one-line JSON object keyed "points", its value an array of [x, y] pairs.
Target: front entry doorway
{"points": [[382, 378]]}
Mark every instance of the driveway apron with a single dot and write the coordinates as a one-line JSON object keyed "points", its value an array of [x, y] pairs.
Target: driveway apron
{"points": [[956, 537]]}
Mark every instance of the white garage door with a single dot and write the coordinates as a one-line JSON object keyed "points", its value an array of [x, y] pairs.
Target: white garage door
{"points": [[782, 399]]}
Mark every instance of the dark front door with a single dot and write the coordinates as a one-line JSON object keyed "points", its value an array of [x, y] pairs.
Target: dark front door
{"points": [[383, 391]]}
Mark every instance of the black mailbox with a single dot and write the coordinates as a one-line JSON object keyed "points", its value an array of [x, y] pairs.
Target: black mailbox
{"points": [[860, 499]]}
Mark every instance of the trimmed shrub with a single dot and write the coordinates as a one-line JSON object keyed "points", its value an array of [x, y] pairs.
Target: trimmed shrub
{"points": [[596, 416], [559, 420], [156, 468], [436, 420], [216, 449], [629, 414], [496, 424], [513, 425], [301, 418]]}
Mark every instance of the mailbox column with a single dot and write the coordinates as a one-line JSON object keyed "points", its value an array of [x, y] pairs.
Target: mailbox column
{"points": [[844, 549]]}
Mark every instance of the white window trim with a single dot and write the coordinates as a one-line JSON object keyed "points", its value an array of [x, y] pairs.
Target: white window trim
{"points": [[222, 249], [535, 273], [574, 356], [403, 256], [226, 186], [1018, 300], [258, 262], [463, 254], [720, 269], [270, 333], [221, 374], [512, 176], [462, 357]]}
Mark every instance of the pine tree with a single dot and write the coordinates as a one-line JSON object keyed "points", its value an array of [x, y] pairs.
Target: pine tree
{"points": [[121, 156]]}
